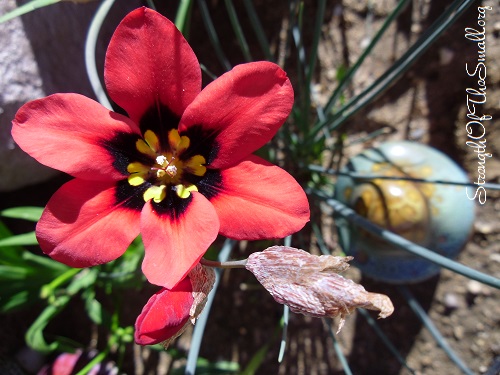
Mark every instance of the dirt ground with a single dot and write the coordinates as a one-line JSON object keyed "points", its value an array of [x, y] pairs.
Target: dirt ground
{"points": [[428, 105]]}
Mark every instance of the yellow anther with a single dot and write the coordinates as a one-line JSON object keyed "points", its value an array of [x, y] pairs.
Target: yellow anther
{"points": [[185, 191], [135, 179], [183, 145], [156, 193], [195, 165], [144, 148], [152, 140], [137, 167], [177, 143]]}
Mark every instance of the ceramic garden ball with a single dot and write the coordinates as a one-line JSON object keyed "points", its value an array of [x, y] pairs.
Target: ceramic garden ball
{"points": [[438, 217]]}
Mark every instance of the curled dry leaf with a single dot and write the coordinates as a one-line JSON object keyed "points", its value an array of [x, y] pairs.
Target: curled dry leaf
{"points": [[311, 285], [202, 280]]}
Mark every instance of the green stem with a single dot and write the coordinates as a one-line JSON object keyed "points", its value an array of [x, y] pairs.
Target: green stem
{"points": [[229, 264], [350, 73], [183, 16], [395, 71], [240, 35], [368, 177], [50, 287], [402, 243], [258, 29], [97, 359]]}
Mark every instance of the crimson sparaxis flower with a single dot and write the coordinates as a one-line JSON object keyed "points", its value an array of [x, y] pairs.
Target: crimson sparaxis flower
{"points": [[179, 170], [169, 312]]}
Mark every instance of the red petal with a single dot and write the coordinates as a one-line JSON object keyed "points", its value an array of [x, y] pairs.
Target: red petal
{"points": [[243, 109], [64, 364], [83, 225], [148, 60], [175, 243], [258, 200], [66, 132], [165, 314]]}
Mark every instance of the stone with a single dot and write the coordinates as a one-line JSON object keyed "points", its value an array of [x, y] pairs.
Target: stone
{"points": [[42, 53]]}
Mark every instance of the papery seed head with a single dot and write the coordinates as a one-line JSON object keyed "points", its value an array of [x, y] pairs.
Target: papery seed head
{"points": [[310, 284]]}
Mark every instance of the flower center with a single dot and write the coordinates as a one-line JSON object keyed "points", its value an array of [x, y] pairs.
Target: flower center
{"points": [[167, 170], [166, 167]]}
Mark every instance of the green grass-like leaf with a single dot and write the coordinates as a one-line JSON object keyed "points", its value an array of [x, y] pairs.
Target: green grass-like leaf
{"points": [[25, 213], [26, 8], [256, 361], [25, 239], [183, 16], [240, 35], [212, 34]]}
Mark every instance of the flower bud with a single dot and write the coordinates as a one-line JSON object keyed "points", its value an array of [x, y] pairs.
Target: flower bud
{"points": [[169, 312], [310, 284]]}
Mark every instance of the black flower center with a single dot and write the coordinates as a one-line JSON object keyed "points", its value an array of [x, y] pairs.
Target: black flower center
{"points": [[169, 168]]}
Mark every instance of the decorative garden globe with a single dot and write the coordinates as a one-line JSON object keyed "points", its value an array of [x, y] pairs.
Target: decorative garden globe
{"points": [[436, 216]]}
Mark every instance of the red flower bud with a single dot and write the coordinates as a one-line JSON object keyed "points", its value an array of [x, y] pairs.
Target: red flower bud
{"points": [[169, 312]]}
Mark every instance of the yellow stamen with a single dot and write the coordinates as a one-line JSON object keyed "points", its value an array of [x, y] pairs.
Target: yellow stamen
{"points": [[195, 165], [177, 143], [185, 191], [152, 140], [144, 148], [168, 168], [137, 167], [135, 179], [156, 193]]}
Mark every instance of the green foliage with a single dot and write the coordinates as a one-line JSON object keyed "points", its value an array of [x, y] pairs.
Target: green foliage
{"points": [[22, 273], [26, 8], [205, 367], [57, 302], [27, 279], [24, 213]]}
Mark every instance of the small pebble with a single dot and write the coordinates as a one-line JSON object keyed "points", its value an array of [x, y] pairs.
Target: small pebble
{"points": [[451, 301], [458, 332], [474, 287], [485, 227], [446, 56], [495, 257]]}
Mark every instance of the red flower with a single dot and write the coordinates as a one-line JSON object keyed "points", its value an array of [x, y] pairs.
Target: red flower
{"points": [[169, 312], [178, 170]]}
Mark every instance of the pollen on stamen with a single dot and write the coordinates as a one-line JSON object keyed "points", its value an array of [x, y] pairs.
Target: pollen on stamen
{"points": [[161, 160], [171, 170]]}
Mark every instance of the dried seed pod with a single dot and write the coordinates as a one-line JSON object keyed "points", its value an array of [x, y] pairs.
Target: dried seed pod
{"points": [[202, 280], [310, 284]]}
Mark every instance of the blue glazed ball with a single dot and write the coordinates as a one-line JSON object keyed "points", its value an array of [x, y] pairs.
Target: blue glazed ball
{"points": [[436, 216]]}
